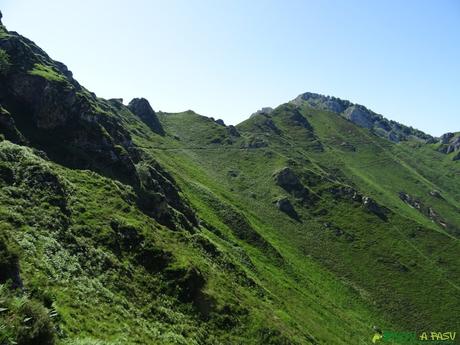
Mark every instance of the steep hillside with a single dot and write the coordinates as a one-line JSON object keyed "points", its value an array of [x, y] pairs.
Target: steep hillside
{"points": [[320, 187], [122, 225]]}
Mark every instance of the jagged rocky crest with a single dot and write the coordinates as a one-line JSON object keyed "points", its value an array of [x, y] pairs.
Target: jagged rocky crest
{"points": [[361, 116], [141, 107]]}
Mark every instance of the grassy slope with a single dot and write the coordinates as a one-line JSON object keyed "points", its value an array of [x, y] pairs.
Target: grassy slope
{"points": [[76, 262], [332, 310], [301, 283], [395, 264], [306, 285]]}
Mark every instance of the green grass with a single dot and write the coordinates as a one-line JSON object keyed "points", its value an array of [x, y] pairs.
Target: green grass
{"points": [[379, 169], [47, 72]]}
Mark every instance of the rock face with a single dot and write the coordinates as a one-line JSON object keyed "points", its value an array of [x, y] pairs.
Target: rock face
{"points": [[141, 107], [361, 116], [450, 142], [445, 138], [54, 113]]}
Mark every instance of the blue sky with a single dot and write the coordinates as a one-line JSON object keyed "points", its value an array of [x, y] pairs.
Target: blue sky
{"points": [[227, 59]]}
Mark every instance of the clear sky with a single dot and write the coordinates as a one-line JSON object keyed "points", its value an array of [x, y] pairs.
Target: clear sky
{"points": [[227, 59]]}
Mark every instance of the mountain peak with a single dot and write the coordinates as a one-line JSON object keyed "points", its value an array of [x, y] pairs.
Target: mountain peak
{"points": [[361, 116], [323, 102]]}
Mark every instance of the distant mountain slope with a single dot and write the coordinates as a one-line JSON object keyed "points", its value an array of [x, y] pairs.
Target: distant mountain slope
{"points": [[362, 116], [323, 187], [122, 225]]}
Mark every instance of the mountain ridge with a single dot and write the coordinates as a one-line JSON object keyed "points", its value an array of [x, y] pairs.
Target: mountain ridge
{"points": [[122, 225]]}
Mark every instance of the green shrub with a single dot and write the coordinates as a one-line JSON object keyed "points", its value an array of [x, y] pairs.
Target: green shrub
{"points": [[5, 63], [9, 263], [24, 321], [36, 327]]}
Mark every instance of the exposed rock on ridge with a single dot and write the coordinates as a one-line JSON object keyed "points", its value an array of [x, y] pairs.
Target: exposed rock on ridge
{"points": [[450, 143], [361, 116], [141, 107]]}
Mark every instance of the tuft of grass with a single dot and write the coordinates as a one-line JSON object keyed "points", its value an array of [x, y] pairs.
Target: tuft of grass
{"points": [[47, 72]]}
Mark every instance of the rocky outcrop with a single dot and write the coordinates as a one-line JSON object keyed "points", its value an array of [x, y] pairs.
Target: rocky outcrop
{"points": [[160, 198], [436, 194], [290, 182], [450, 143], [232, 131], [321, 102], [369, 204], [339, 232], [297, 119], [361, 116], [262, 123], [427, 210], [372, 206], [263, 111], [289, 118], [285, 206], [141, 107]]}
